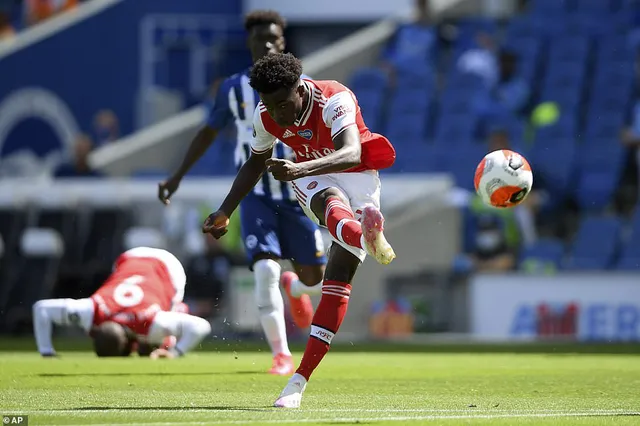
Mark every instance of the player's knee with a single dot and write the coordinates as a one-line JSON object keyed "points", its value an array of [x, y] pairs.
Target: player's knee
{"points": [[267, 276], [319, 200], [311, 275], [202, 326], [37, 307]]}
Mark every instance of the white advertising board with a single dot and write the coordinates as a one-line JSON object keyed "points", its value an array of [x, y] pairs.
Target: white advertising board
{"points": [[601, 307]]}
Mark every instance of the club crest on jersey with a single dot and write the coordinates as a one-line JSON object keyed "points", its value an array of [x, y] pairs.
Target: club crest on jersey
{"points": [[306, 133], [312, 185]]}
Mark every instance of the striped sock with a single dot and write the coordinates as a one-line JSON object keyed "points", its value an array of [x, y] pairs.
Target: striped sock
{"points": [[326, 322], [341, 223]]}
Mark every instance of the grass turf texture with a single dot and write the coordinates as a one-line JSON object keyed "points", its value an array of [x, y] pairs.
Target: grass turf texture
{"points": [[417, 386]]}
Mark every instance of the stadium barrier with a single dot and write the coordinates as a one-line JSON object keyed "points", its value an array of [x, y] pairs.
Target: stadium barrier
{"points": [[599, 306]]}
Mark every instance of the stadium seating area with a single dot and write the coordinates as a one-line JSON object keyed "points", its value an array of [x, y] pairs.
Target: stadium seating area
{"points": [[575, 54]]}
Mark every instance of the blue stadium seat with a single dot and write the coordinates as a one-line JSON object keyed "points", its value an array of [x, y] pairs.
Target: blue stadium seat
{"points": [[568, 97], [412, 157], [548, 8], [408, 126], [545, 162], [630, 252], [562, 132], [594, 7], [460, 163], [612, 102], [522, 27], [562, 74], [613, 74], [456, 129], [371, 103], [574, 48], [600, 167], [596, 244], [548, 251], [409, 99], [613, 48], [604, 124], [515, 128], [368, 78], [456, 103], [414, 73]]}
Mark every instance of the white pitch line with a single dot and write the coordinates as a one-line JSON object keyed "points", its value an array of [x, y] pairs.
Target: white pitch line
{"points": [[374, 419], [301, 411]]}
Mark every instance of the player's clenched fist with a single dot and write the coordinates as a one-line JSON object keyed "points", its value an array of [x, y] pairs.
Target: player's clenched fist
{"points": [[283, 170], [216, 224]]}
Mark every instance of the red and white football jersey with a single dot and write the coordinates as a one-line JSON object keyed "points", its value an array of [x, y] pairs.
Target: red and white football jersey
{"points": [[138, 288], [331, 109]]}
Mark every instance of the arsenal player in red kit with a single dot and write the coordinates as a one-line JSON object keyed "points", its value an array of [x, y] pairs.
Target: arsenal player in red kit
{"points": [[140, 302], [335, 178]]}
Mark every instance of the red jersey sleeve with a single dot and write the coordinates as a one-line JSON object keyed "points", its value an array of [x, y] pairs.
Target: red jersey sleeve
{"points": [[340, 112], [262, 140]]}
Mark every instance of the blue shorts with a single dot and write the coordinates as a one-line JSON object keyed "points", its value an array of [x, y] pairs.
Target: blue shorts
{"points": [[280, 228]]}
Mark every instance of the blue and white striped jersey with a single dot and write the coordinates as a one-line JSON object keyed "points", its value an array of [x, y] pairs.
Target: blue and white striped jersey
{"points": [[236, 101]]}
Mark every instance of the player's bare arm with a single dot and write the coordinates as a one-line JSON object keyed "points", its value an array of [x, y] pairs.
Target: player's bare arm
{"points": [[346, 156], [247, 177], [199, 145]]}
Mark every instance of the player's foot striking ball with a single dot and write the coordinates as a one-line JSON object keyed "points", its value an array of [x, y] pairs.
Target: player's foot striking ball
{"points": [[335, 179]]}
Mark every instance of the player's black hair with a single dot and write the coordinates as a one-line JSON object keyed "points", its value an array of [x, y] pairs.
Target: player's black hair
{"points": [[262, 17], [110, 339], [275, 71]]}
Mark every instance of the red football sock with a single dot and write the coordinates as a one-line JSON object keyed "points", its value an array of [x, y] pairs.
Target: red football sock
{"points": [[326, 322], [341, 223]]}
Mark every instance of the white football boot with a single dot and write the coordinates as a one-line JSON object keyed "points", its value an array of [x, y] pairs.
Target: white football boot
{"points": [[374, 241], [291, 395]]}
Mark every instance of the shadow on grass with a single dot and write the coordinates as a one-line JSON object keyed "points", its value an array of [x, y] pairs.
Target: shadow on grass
{"points": [[26, 344], [118, 374], [210, 408]]}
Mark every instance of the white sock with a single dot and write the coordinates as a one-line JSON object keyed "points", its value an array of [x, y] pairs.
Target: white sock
{"points": [[298, 288], [271, 305]]}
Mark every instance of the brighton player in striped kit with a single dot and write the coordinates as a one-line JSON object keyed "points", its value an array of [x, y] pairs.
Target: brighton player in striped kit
{"points": [[273, 224]]}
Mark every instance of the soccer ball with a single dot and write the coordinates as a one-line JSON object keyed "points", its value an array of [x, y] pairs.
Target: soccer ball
{"points": [[503, 179]]}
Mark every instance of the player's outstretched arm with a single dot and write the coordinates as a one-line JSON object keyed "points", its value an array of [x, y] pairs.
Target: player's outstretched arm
{"points": [[219, 116], [346, 155], [64, 312], [247, 177], [199, 145], [188, 329]]}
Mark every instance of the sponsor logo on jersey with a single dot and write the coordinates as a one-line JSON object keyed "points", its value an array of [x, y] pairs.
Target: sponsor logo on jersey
{"points": [[251, 241], [340, 111], [306, 133], [309, 153], [312, 185]]}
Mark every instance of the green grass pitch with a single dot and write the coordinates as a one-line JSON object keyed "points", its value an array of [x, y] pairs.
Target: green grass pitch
{"points": [[354, 385]]}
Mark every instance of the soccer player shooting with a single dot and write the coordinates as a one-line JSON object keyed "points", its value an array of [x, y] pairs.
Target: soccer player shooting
{"points": [[335, 179]]}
